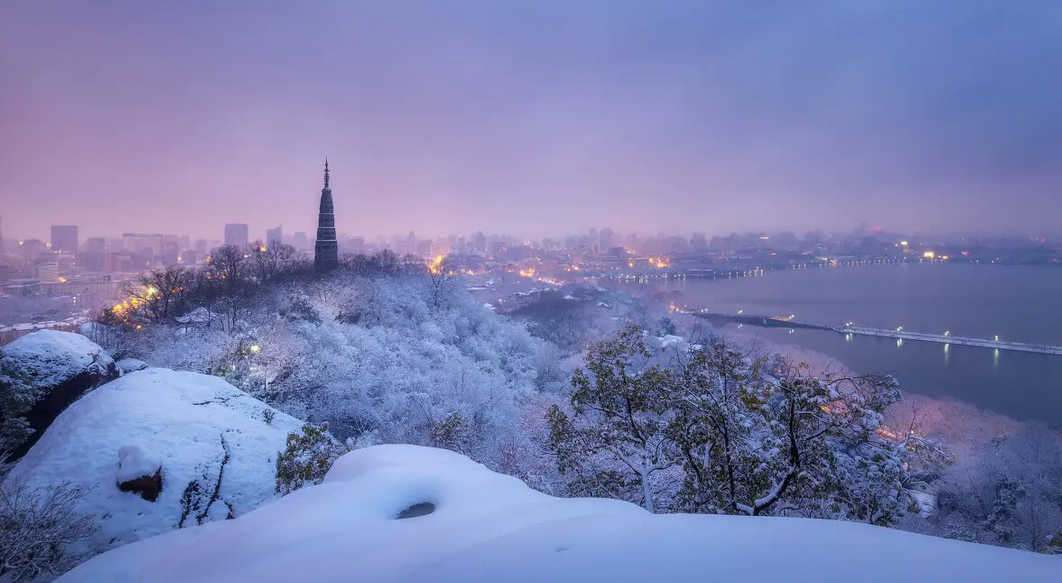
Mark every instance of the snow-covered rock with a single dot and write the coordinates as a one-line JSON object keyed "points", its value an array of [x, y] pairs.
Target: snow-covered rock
{"points": [[128, 365], [44, 373], [669, 340], [184, 427], [139, 471], [199, 315], [49, 357], [466, 525], [134, 462]]}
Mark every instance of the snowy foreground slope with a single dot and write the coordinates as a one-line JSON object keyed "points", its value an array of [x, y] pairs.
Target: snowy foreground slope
{"points": [[491, 528], [168, 428]]}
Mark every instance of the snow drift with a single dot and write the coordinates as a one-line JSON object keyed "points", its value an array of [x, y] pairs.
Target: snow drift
{"points": [[469, 525], [141, 441]]}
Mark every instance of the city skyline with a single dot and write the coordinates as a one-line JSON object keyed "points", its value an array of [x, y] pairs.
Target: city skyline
{"points": [[263, 235], [642, 116]]}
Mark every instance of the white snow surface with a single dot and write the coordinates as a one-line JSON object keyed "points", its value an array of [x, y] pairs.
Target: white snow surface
{"points": [[492, 528], [131, 426], [128, 365], [134, 462], [49, 357]]}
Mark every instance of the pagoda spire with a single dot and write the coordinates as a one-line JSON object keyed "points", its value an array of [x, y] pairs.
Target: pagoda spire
{"points": [[326, 248]]}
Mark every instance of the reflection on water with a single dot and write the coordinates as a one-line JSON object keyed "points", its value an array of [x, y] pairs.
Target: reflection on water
{"points": [[1018, 384], [981, 301]]}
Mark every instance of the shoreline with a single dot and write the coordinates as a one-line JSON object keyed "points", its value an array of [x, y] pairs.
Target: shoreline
{"points": [[963, 426]]}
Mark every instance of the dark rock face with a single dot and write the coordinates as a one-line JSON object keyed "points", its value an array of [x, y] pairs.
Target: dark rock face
{"points": [[149, 487], [56, 399], [417, 510]]}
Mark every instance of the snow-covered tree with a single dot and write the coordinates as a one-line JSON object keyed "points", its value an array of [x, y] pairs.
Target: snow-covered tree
{"points": [[372, 351], [1008, 492], [621, 412], [741, 439], [307, 458]]}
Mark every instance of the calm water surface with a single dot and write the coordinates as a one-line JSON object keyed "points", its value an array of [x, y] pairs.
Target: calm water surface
{"points": [[1018, 303]]}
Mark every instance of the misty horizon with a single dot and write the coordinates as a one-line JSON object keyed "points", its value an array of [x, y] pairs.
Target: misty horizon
{"points": [[533, 119]]}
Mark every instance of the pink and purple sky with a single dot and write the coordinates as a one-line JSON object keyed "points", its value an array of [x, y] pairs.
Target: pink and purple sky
{"points": [[530, 117]]}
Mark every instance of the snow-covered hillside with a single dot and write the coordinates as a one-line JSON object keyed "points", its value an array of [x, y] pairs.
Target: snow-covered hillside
{"points": [[487, 527], [170, 429]]}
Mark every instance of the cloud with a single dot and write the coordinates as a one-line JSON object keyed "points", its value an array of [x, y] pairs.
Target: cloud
{"points": [[533, 116]]}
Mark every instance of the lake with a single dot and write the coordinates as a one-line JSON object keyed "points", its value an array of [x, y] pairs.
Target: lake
{"points": [[1017, 303]]}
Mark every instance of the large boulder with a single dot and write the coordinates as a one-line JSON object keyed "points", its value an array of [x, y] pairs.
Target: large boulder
{"points": [[406, 514], [41, 374], [160, 450]]}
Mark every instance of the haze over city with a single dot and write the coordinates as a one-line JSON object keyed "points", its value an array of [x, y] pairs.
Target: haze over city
{"points": [[536, 118], [480, 291]]}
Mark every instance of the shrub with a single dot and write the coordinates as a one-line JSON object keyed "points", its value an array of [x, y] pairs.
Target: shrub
{"points": [[307, 458], [36, 526]]}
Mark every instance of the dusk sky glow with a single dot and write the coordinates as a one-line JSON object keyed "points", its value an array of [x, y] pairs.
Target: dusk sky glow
{"points": [[533, 118]]}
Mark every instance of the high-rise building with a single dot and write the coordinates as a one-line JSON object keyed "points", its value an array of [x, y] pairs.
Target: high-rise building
{"points": [[236, 234], [608, 239], [497, 249], [169, 253], [96, 245], [64, 238], [326, 248], [48, 272], [149, 246], [93, 258], [2, 251], [274, 237]]}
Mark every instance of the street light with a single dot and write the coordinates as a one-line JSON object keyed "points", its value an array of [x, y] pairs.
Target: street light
{"points": [[947, 333]]}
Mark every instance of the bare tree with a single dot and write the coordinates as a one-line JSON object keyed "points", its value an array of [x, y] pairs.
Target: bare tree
{"points": [[385, 262], [270, 263], [410, 263], [159, 295], [36, 526], [228, 271], [440, 281]]}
